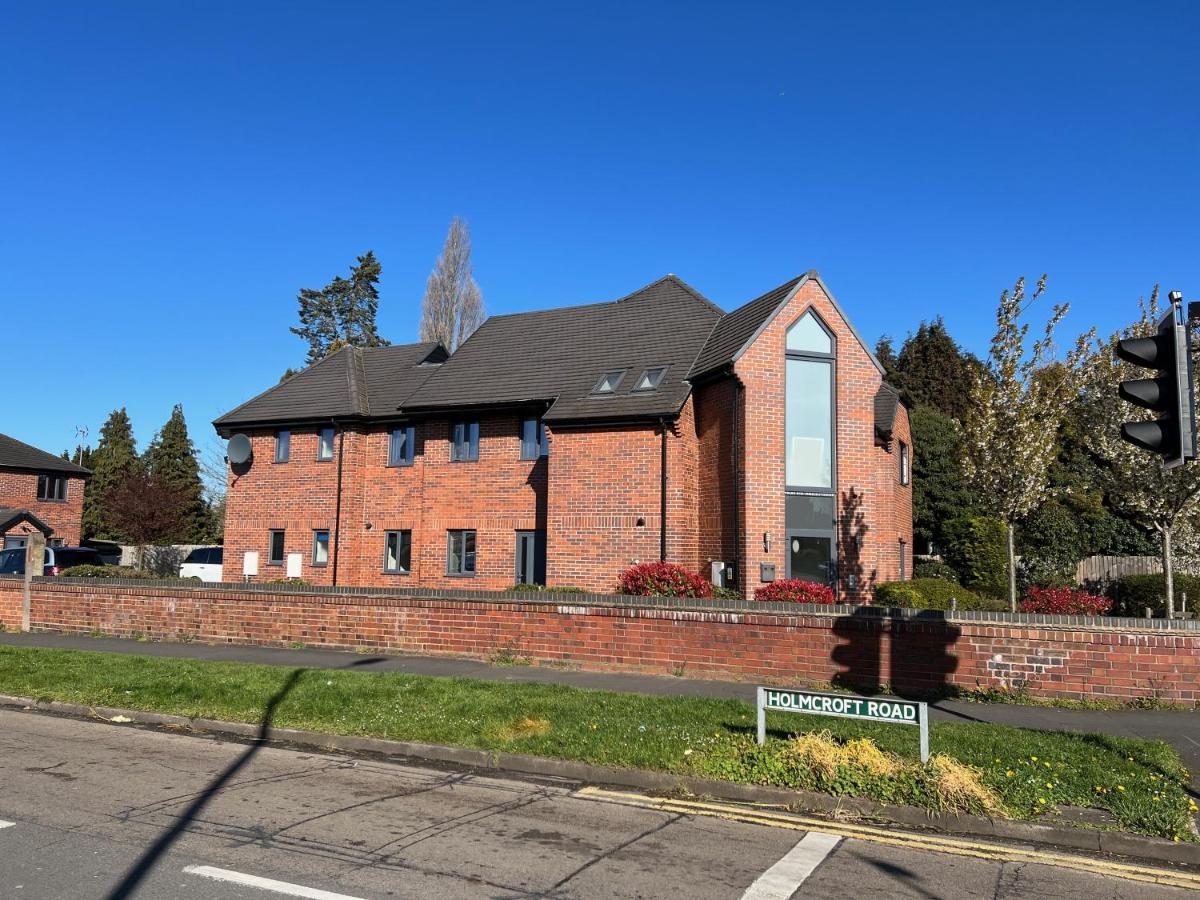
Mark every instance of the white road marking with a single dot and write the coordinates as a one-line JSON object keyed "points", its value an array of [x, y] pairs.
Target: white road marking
{"points": [[266, 884], [4, 824], [781, 880]]}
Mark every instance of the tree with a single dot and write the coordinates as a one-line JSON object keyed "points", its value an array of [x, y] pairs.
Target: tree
{"points": [[171, 458], [453, 306], [341, 313], [1135, 483], [147, 509], [940, 493], [114, 457], [1012, 423], [932, 370]]}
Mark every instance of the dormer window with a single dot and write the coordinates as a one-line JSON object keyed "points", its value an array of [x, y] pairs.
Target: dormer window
{"points": [[650, 379], [610, 382]]}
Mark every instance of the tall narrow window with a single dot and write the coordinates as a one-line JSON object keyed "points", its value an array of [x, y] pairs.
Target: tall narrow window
{"points": [[283, 446], [533, 439], [401, 449], [275, 549], [464, 442], [397, 552], [320, 551], [905, 464], [460, 555], [809, 449], [325, 444]]}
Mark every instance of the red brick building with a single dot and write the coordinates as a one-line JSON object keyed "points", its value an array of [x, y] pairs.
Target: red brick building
{"points": [[562, 446], [38, 492]]}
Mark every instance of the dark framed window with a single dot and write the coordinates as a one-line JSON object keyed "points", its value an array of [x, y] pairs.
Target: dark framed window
{"points": [[809, 383], [325, 444], [464, 442], [533, 439], [650, 379], [905, 464], [52, 487], [609, 382], [283, 446], [402, 446], [397, 552], [320, 548], [460, 553], [275, 548]]}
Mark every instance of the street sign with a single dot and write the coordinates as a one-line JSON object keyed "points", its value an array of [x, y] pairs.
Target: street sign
{"points": [[844, 706]]}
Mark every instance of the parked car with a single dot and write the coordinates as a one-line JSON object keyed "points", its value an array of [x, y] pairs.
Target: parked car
{"points": [[12, 561], [204, 563]]}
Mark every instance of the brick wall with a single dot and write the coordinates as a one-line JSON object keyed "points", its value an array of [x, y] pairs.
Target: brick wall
{"points": [[10, 602], [19, 490], [911, 654]]}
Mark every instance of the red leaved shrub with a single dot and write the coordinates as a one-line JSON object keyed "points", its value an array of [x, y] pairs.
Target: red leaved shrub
{"points": [[1064, 602], [794, 591], [663, 579]]}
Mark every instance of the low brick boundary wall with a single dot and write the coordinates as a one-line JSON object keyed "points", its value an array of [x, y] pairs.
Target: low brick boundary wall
{"points": [[910, 651]]}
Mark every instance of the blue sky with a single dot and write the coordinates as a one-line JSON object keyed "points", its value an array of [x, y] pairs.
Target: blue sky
{"points": [[171, 174]]}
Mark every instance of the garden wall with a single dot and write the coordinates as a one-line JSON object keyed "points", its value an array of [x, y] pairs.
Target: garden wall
{"points": [[913, 652]]}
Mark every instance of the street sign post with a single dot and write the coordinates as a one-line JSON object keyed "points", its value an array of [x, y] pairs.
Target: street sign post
{"points": [[843, 706]]}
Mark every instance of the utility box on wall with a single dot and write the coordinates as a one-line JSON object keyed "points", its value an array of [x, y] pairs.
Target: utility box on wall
{"points": [[766, 571]]}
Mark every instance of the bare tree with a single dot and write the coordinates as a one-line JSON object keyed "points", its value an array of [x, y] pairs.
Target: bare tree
{"points": [[1018, 399], [453, 305]]}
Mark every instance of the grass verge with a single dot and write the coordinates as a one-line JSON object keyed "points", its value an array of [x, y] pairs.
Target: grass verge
{"points": [[977, 767]]}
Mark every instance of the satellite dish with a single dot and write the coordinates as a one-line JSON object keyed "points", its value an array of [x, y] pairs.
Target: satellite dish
{"points": [[239, 450]]}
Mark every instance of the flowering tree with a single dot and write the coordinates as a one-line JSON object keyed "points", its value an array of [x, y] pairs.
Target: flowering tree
{"points": [[1017, 402], [1136, 485]]}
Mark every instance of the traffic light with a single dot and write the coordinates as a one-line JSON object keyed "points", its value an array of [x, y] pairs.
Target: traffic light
{"points": [[1170, 393]]}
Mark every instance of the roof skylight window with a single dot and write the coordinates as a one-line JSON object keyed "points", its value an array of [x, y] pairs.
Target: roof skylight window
{"points": [[610, 382], [650, 379]]}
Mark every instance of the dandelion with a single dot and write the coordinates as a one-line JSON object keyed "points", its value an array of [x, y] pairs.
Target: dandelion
{"points": [[1047, 765], [1120, 787], [1034, 758], [1041, 799], [1049, 785], [1008, 774]]}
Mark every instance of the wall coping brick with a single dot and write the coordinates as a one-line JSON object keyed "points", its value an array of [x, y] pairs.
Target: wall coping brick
{"points": [[582, 602]]}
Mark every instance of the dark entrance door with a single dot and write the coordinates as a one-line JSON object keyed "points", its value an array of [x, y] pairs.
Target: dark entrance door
{"points": [[531, 557], [811, 556]]}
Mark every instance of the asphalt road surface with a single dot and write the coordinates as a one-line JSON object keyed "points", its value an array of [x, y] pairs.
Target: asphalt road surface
{"points": [[95, 810]]}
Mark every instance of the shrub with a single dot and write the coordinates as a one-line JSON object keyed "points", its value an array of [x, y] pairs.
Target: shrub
{"points": [[107, 572], [524, 587], [934, 569], [1064, 602], [726, 593], [793, 590], [538, 588], [1133, 593], [933, 593], [663, 579], [977, 548]]}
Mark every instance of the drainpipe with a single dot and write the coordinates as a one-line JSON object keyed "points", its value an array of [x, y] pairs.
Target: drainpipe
{"points": [[337, 511], [662, 493], [739, 390]]}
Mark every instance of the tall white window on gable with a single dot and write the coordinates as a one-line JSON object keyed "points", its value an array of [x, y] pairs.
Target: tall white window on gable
{"points": [[809, 415]]}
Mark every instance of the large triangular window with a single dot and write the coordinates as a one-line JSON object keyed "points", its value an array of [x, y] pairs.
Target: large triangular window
{"points": [[810, 335]]}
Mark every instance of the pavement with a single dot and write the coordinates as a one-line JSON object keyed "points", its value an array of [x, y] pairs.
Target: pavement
{"points": [[1180, 728], [93, 810]]}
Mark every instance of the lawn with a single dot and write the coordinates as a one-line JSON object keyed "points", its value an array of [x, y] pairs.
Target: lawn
{"points": [[1015, 772]]}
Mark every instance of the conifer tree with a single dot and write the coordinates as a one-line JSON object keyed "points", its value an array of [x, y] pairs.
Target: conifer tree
{"points": [[341, 313], [171, 460], [113, 459]]}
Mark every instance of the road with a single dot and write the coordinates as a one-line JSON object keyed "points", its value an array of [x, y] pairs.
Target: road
{"points": [[83, 804]]}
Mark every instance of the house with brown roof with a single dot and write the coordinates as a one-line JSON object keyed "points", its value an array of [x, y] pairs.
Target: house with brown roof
{"points": [[38, 492], [562, 446]]}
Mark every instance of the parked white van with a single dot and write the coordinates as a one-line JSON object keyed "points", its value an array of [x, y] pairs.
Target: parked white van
{"points": [[204, 563]]}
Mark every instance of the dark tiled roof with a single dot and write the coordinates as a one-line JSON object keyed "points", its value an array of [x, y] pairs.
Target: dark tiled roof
{"points": [[738, 327], [351, 383], [15, 454], [10, 517], [558, 356], [887, 400]]}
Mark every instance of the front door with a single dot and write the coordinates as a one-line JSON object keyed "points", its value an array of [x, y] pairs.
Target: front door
{"points": [[531, 557], [811, 556]]}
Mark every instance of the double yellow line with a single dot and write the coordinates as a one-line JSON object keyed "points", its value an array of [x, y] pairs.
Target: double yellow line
{"points": [[912, 840]]}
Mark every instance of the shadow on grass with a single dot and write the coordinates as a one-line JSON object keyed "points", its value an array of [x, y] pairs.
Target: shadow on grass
{"points": [[146, 863]]}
